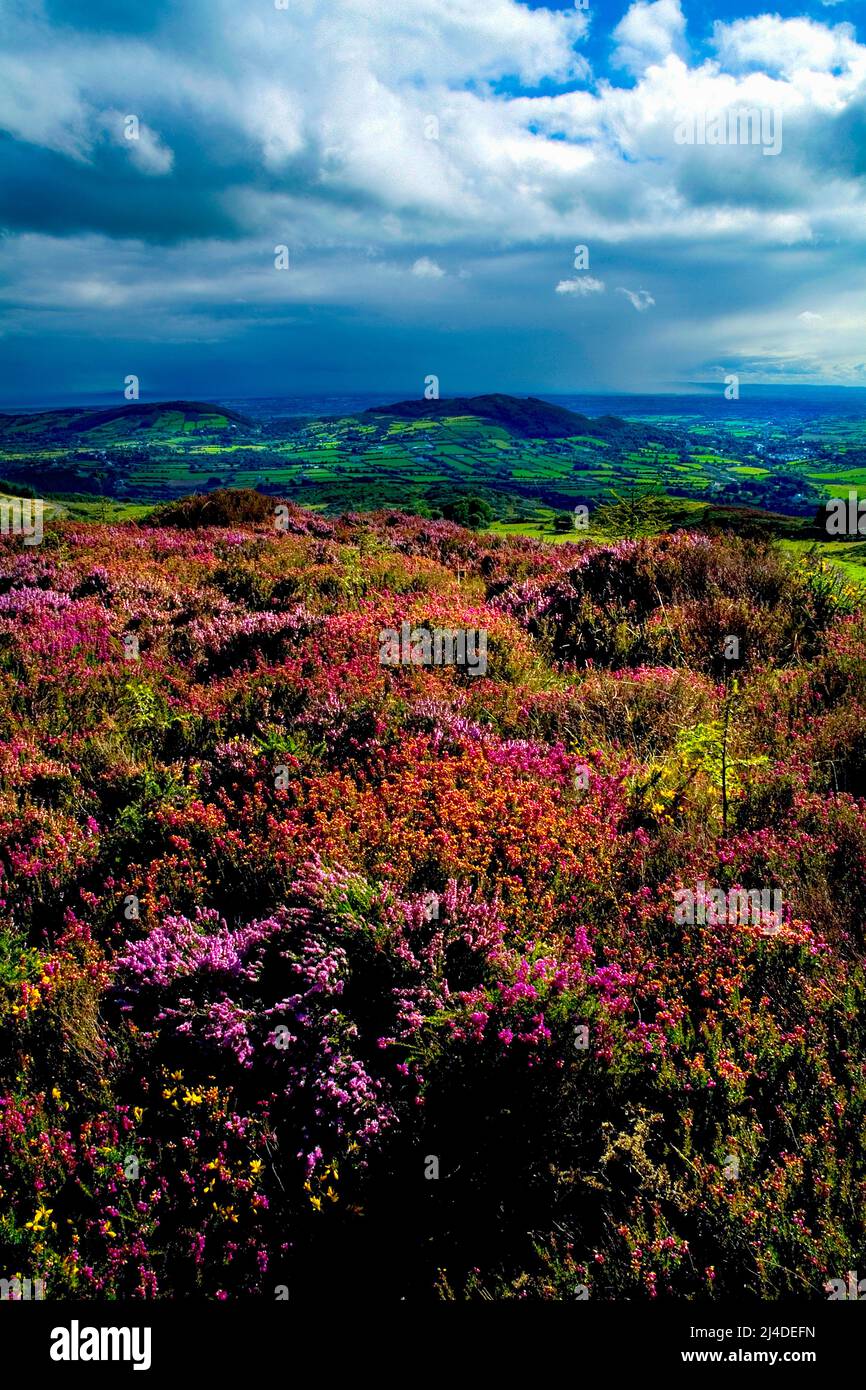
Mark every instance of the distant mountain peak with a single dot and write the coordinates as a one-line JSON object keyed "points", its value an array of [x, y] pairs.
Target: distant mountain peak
{"points": [[80, 419], [524, 415]]}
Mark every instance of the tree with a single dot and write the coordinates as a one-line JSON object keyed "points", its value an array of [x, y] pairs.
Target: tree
{"points": [[17, 489], [641, 510], [469, 511]]}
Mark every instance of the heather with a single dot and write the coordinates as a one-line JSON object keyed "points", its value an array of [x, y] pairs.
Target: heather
{"points": [[280, 926]]}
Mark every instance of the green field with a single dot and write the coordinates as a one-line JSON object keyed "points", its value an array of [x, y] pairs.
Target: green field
{"points": [[525, 463]]}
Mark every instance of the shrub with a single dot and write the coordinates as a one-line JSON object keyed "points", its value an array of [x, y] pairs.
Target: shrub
{"points": [[223, 507], [279, 926]]}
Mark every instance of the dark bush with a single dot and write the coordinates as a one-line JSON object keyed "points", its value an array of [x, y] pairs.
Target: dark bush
{"points": [[224, 507]]}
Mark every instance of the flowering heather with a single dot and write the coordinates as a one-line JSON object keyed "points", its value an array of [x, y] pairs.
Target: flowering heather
{"points": [[278, 923]]}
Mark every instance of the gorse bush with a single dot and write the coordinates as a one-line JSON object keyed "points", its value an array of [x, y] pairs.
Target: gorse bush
{"points": [[312, 966], [223, 507]]}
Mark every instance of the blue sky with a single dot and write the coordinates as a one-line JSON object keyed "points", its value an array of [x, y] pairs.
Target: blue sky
{"points": [[431, 168]]}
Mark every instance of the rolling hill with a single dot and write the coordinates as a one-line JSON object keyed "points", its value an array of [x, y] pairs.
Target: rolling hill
{"points": [[526, 418], [120, 420]]}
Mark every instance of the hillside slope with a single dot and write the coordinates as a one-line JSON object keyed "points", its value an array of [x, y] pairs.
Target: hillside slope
{"points": [[289, 911], [129, 418], [527, 418]]}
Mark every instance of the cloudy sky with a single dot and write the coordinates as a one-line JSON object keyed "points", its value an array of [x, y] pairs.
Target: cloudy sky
{"points": [[430, 166]]}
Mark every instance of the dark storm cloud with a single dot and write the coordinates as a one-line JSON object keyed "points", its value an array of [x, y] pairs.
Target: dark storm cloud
{"points": [[411, 241], [41, 191], [107, 16]]}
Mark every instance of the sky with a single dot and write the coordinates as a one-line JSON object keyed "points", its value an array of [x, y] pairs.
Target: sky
{"points": [[430, 167]]}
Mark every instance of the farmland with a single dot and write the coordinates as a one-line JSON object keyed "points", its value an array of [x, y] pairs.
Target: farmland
{"points": [[528, 463]]}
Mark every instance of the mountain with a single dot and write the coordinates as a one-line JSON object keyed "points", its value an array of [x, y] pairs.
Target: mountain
{"points": [[129, 418], [527, 417]]}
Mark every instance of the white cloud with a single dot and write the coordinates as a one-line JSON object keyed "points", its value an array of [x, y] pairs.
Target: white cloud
{"points": [[144, 146], [641, 299], [275, 117], [438, 41], [426, 269], [808, 317], [649, 32], [310, 126], [787, 46], [582, 286], [43, 108], [333, 100]]}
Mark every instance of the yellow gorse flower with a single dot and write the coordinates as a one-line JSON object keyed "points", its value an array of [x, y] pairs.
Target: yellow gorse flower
{"points": [[40, 1220]]}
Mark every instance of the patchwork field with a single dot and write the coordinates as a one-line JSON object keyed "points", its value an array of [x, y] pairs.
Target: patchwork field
{"points": [[516, 466]]}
